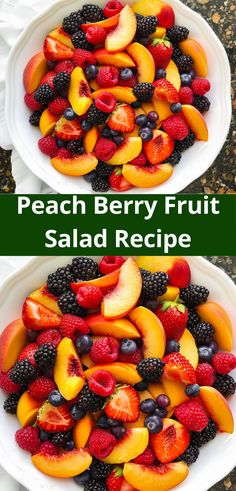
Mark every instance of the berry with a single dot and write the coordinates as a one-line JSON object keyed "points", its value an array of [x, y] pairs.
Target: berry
{"points": [[23, 373], [48, 146], [194, 295], [112, 422], [64, 66], [205, 354], [200, 86], [128, 346], [175, 127], [100, 185], [31, 103], [91, 71], [70, 445], [141, 120], [35, 118], [89, 401], [148, 406], [28, 353], [83, 344], [190, 455], [105, 149], [186, 95], [105, 350], [82, 478], [131, 82], [56, 399], [172, 346], [225, 384], [45, 355], [95, 116], [74, 146], [73, 326], [192, 390], [214, 346], [145, 458], [202, 333], [161, 51], [69, 114], [79, 41], [193, 319], [68, 305], [92, 13], [192, 415], [173, 316], [31, 336], [101, 443], [140, 386], [47, 448], [59, 282], [166, 90], [28, 439], [153, 116], [108, 77], [100, 470], [112, 7], [6, 383], [178, 368], [126, 74], [109, 264], [163, 401], [154, 285], [11, 403], [72, 22], [54, 419], [176, 108], [89, 296], [162, 413], [90, 176], [146, 134], [94, 485], [209, 433], [151, 369], [133, 358], [58, 106], [205, 374], [86, 125], [51, 336], [40, 388], [153, 424], [102, 422], [103, 169], [118, 432], [83, 58], [60, 438], [184, 63], [160, 73], [146, 25], [64, 153], [176, 52], [61, 80], [105, 102], [44, 94], [84, 268], [224, 362], [122, 119], [186, 143], [201, 103], [115, 480], [174, 158], [185, 78], [102, 383], [123, 405], [96, 35], [143, 91], [177, 33]]}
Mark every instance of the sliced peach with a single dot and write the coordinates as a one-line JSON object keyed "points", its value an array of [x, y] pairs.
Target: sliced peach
{"points": [[122, 94], [171, 293], [215, 314], [156, 389], [144, 62], [79, 94], [68, 372], [176, 267], [159, 33], [159, 149], [34, 72], [47, 122], [78, 165], [145, 394], [106, 23], [195, 121], [55, 50], [135, 132], [123, 34], [62, 36], [188, 348], [162, 10], [218, 408], [27, 409], [66, 464], [132, 444], [147, 107], [82, 430], [151, 330], [105, 283], [172, 74], [119, 328], [119, 60], [147, 176], [123, 372], [86, 361], [170, 442], [161, 477], [43, 296], [90, 139], [175, 391], [12, 341], [94, 85], [193, 48], [125, 295], [162, 108], [128, 151]]}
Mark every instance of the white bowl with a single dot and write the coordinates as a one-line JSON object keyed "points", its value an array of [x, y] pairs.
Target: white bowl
{"points": [[195, 161], [217, 458]]}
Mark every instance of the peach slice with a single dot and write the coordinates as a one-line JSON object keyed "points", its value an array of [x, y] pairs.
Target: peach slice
{"points": [[68, 372], [171, 442], [159, 149], [106, 23], [161, 477], [194, 49], [156, 389], [119, 60], [128, 151], [147, 107], [171, 293], [188, 348], [34, 72], [67, 464], [12, 341], [123, 34], [90, 139], [147, 176], [125, 295], [86, 361], [172, 74], [43, 296], [159, 33], [132, 444], [162, 108], [94, 85], [176, 267], [105, 283], [79, 94], [195, 121], [82, 430], [27, 409], [124, 373], [78, 165], [145, 394], [119, 328], [62, 36], [215, 314], [151, 330], [47, 122], [218, 408], [122, 94], [144, 62], [175, 391]]}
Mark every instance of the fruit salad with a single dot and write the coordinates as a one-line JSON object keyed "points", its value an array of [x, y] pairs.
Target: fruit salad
{"points": [[118, 373], [118, 94]]}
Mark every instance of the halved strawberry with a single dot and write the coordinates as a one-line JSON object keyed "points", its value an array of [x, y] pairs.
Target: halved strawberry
{"points": [[54, 50], [122, 119], [124, 405], [52, 419], [165, 91], [179, 369], [118, 182], [171, 442], [38, 317], [28, 353], [159, 148], [68, 130], [48, 78]]}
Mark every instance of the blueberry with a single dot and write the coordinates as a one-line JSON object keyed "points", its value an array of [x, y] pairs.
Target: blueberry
{"points": [[141, 120], [118, 432], [163, 401], [44, 436], [148, 406], [160, 73], [83, 344], [32, 335], [106, 132], [114, 133], [61, 143], [151, 124], [140, 386], [193, 74], [69, 114], [77, 412], [51, 65], [136, 104], [139, 342], [144, 41], [214, 346], [56, 399], [128, 346], [90, 176], [172, 346], [186, 79], [146, 134], [205, 354], [81, 150], [113, 422], [151, 305], [82, 478], [70, 445], [102, 422], [126, 74], [86, 125], [91, 72], [161, 413], [153, 424], [176, 108], [118, 140], [153, 116], [192, 390]]}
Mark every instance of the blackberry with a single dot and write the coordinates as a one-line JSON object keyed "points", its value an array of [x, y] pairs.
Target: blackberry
{"points": [[184, 63], [95, 116], [202, 333], [176, 53], [94, 485], [144, 273], [45, 356], [35, 118], [143, 91], [200, 438], [194, 295], [79, 41], [61, 81], [186, 143], [146, 25], [90, 401], [174, 158], [103, 169], [23, 372], [193, 319], [92, 13], [225, 384], [74, 146], [68, 305], [59, 282], [99, 470], [72, 22], [11, 403], [190, 455], [202, 103], [60, 438], [154, 285], [100, 185], [177, 33], [151, 369], [84, 268], [44, 93]]}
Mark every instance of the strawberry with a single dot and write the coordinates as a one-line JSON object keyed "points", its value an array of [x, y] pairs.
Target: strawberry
{"points": [[134, 357], [68, 130], [82, 57], [118, 182], [38, 317], [48, 79], [171, 442], [175, 127], [192, 415], [124, 405], [165, 91], [96, 35], [64, 66], [58, 106], [48, 146], [53, 419], [161, 51], [122, 119], [179, 369], [174, 318], [108, 76], [54, 50], [31, 103], [115, 480], [158, 149], [28, 353]]}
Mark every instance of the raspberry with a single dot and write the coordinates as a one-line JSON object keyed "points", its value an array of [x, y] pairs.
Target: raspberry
{"points": [[108, 76], [64, 153], [104, 350], [40, 388], [101, 443], [31, 103], [96, 35], [105, 149], [28, 439], [224, 363], [102, 383], [112, 8], [109, 264], [200, 86], [83, 57], [192, 415], [89, 296], [64, 66], [145, 458], [58, 106], [48, 145], [106, 102], [28, 353], [134, 357], [186, 95], [205, 374], [132, 82], [140, 160], [73, 326], [47, 448], [176, 127], [51, 336], [7, 385]]}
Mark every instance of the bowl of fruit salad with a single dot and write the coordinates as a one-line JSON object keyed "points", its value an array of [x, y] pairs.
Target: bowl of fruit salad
{"points": [[132, 97], [117, 373]]}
